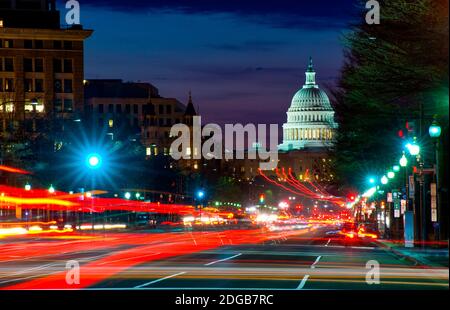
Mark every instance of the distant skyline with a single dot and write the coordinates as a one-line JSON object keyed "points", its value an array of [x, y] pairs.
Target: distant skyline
{"points": [[242, 60]]}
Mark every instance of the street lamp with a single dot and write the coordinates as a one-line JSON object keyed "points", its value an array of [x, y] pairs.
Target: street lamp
{"points": [[396, 168], [403, 161], [372, 180], [384, 180], [435, 132], [390, 175], [27, 187], [94, 161], [51, 189], [127, 195], [413, 149]]}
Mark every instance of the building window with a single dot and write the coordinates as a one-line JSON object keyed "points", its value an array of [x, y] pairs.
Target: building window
{"points": [[68, 45], [68, 105], [118, 109], [28, 65], [100, 108], [169, 109], [68, 86], [9, 65], [8, 43], [68, 66], [28, 44], [161, 109], [39, 85], [57, 45], [1, 23], [111, 123], [57, 66], [135, 109], [127, 109], [1, 84], [9, 85], [110, 108], [148, 151], [58, 86], [58, 105], [38, 65], [39, 44], [160, 122], [28, 85]]}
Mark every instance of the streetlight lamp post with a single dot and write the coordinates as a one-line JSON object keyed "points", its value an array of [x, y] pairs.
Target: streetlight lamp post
{"points": [[435, 132]]}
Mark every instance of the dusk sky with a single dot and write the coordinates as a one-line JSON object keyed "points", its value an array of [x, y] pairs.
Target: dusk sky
{"points": [[243, 60]]}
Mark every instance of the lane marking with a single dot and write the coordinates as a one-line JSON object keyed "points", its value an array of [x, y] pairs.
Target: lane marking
{"points": [[222, 260], [303, 282], [328, 242], [159, 280], [315, 262]]}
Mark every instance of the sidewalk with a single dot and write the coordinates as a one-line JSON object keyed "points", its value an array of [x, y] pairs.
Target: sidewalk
{"points": [[419, 256]]}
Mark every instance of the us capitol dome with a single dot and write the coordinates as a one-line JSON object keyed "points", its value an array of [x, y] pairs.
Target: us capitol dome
{"points": [[310, 118]]}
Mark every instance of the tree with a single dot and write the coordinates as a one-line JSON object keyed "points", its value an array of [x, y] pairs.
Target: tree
{"points": [[391, 72]]}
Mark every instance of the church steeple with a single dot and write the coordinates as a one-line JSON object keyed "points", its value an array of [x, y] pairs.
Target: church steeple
{"points": [[190, 110], [310, 75]]}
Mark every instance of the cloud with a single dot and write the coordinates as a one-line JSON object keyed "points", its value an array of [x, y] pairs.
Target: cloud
{"points": [[318, 14]]}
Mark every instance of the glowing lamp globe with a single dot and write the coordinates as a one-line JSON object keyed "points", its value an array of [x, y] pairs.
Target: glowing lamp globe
{"points": [[435, 130], [384, 180], [94, 161], [403, 161], [391, 175], [413, 149]]}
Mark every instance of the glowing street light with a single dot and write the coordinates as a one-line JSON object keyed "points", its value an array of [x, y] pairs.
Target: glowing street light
{"points": [[391, 175], [384, 180], [27, 187], [138, 195], [413, 149], [372, 180], [51, 189], [396, 168], [435, 130], [403, 161], [200, 194], [94, 161], [127, 195]]}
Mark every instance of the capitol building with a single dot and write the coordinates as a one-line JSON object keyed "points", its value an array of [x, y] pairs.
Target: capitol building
{"points": [[310, 118]]}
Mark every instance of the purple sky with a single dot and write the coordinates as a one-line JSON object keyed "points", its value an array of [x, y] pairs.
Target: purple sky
{"points": [[243, 60]]}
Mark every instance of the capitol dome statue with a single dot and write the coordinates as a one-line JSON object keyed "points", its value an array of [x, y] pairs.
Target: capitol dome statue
{"points": [[310, 118]]}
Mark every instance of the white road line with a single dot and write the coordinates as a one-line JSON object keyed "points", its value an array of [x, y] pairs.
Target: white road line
{"points": [[315, 262], [328, 242], [302, 284], [159, 280], [222, 260]]}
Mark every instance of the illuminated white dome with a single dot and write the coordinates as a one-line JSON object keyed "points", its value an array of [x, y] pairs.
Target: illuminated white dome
{"points": [[310, 118]]}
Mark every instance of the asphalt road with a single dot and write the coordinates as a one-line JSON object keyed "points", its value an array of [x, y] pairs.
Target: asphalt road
{"points": [[307, 259]]}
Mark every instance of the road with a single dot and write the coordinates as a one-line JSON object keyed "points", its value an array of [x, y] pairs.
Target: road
{"points": [[304, 259]]}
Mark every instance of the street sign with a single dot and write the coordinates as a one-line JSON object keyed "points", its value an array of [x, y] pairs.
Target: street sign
{"points": [[409, 229], [403, 205], [389, 197], [433, 192], [434, 215], [433, 189]]}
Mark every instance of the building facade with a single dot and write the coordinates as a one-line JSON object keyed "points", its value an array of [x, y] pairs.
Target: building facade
{"points": [[41, 65], [129, 109]]}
